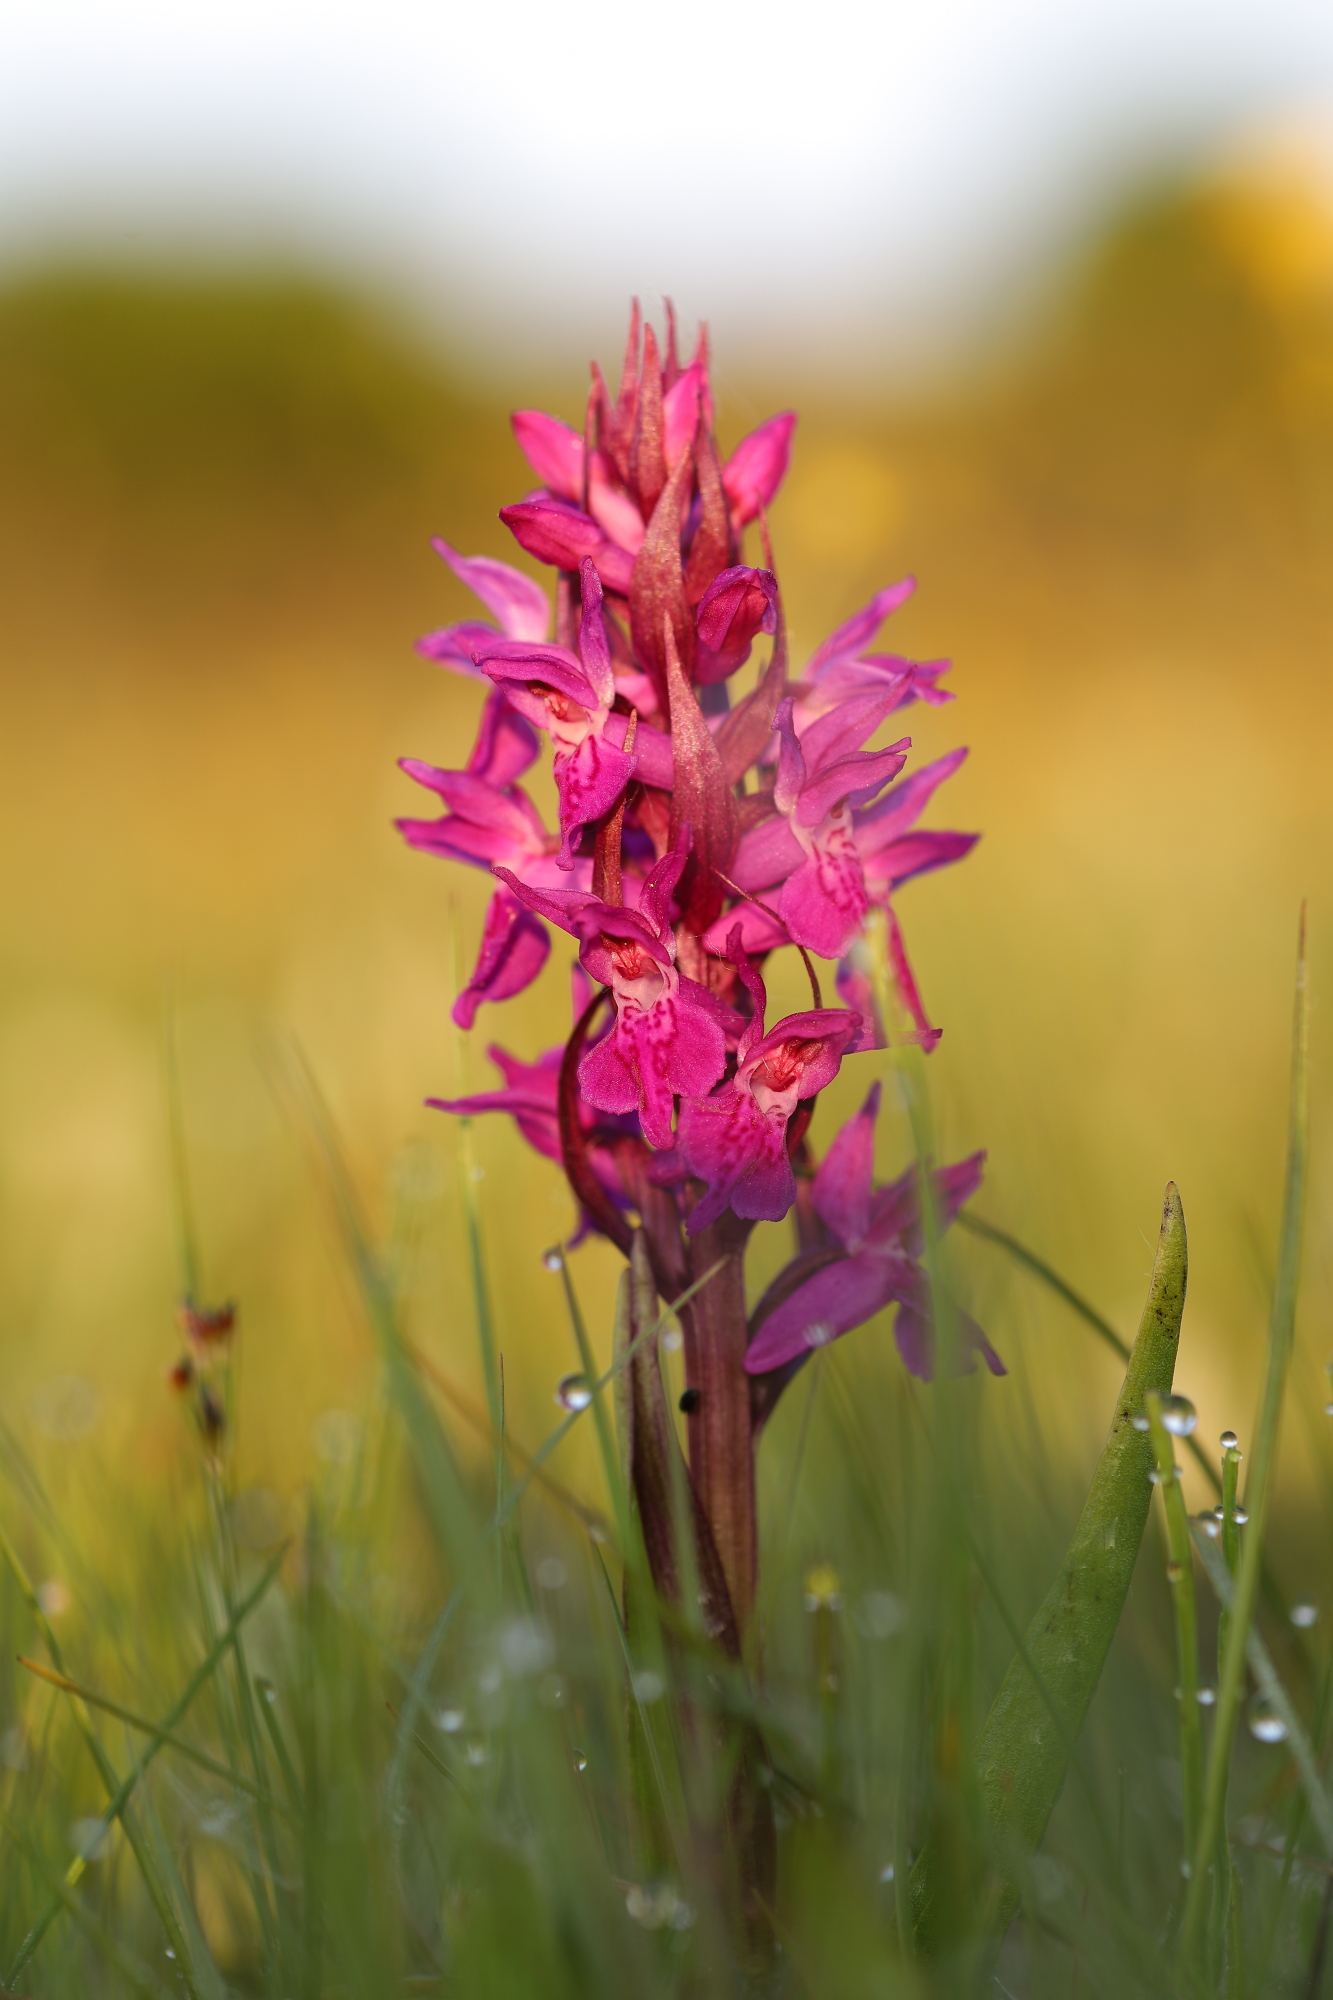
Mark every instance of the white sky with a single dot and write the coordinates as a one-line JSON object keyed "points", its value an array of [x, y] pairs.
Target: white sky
{"points": [[785, 168]]}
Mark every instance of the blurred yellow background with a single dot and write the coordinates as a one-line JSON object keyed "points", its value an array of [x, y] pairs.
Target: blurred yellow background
{"points": [[215, 503]]}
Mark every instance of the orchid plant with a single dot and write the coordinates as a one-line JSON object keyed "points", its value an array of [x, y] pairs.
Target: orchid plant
{"points": [[697, 835]]}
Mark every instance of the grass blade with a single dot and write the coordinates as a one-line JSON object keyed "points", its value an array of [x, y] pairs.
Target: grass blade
{"points": [[1021, 1759], [115, 1806], [1259, 1483]]}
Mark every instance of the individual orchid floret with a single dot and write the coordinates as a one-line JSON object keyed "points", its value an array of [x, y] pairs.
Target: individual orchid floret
{"points": [[735, 608], [880, 1232], [757, 467], [808, 845], [519, 606], [842, 667], [489, 818], [570, 696], [669, 1035], [531, 1097], [735, 1141]]}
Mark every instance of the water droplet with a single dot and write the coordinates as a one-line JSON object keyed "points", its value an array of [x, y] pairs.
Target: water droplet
{"points": [[1266, 1725], [66, 1408], [1228, 1440], [1174, 1572], [1205, 1696], [554, 1690], [170, 1952], [880, 1614], [598, 1531], [337, 1436], [673, 1340], [551, 1573], [1210, 1524], [554, 1260], [450, 1720], [648, 1686], [479, 1173], [886, 1872], [477, 1755], [654, 1904], [1179, 1416], [1304, 1614], [823, 1589], [819, 1333], [1328, 1409], [580, 1761], [1140, 1422], [1155, 1477], [53, 1598], [1240, 1516], [572, 1392], [1186, 1870], [88, 1837]]}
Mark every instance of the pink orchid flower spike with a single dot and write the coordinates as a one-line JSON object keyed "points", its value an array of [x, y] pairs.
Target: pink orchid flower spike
{"points": [[880, 1233], [670, 1034], [735, 1141]]}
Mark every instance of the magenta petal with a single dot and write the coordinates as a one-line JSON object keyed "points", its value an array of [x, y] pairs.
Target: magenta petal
{"points": [[738, 604], [652, 749], [564, 907], [916, 853], [834, 1301], [845, 728], [680, 412], [606, 1079], [615, 510], [553, 450], [900, 809], [514, 948], [766, 855], [860, 628], [513, 664], [727, 1142], [856, 990], [842, 1183], [557, 533], [593, 648], [456, 646], [824, 903], [854, 778], [515, 600], [757, 467], [506, 744], [677, 1048], [589, 783], [915, 1336], [791, 760], [760, 931]]}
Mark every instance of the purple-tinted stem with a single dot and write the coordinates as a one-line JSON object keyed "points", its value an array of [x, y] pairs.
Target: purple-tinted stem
{"points": [[721, 1444]]}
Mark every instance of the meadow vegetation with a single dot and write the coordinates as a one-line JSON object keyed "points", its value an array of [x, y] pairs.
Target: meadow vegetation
{"points": [[404, 1760]]}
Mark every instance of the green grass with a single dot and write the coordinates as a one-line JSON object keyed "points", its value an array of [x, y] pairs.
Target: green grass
{"points": [[415, 1749]]}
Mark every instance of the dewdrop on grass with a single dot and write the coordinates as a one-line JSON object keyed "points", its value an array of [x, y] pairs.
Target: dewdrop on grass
{"points": [[572, 1392]]}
